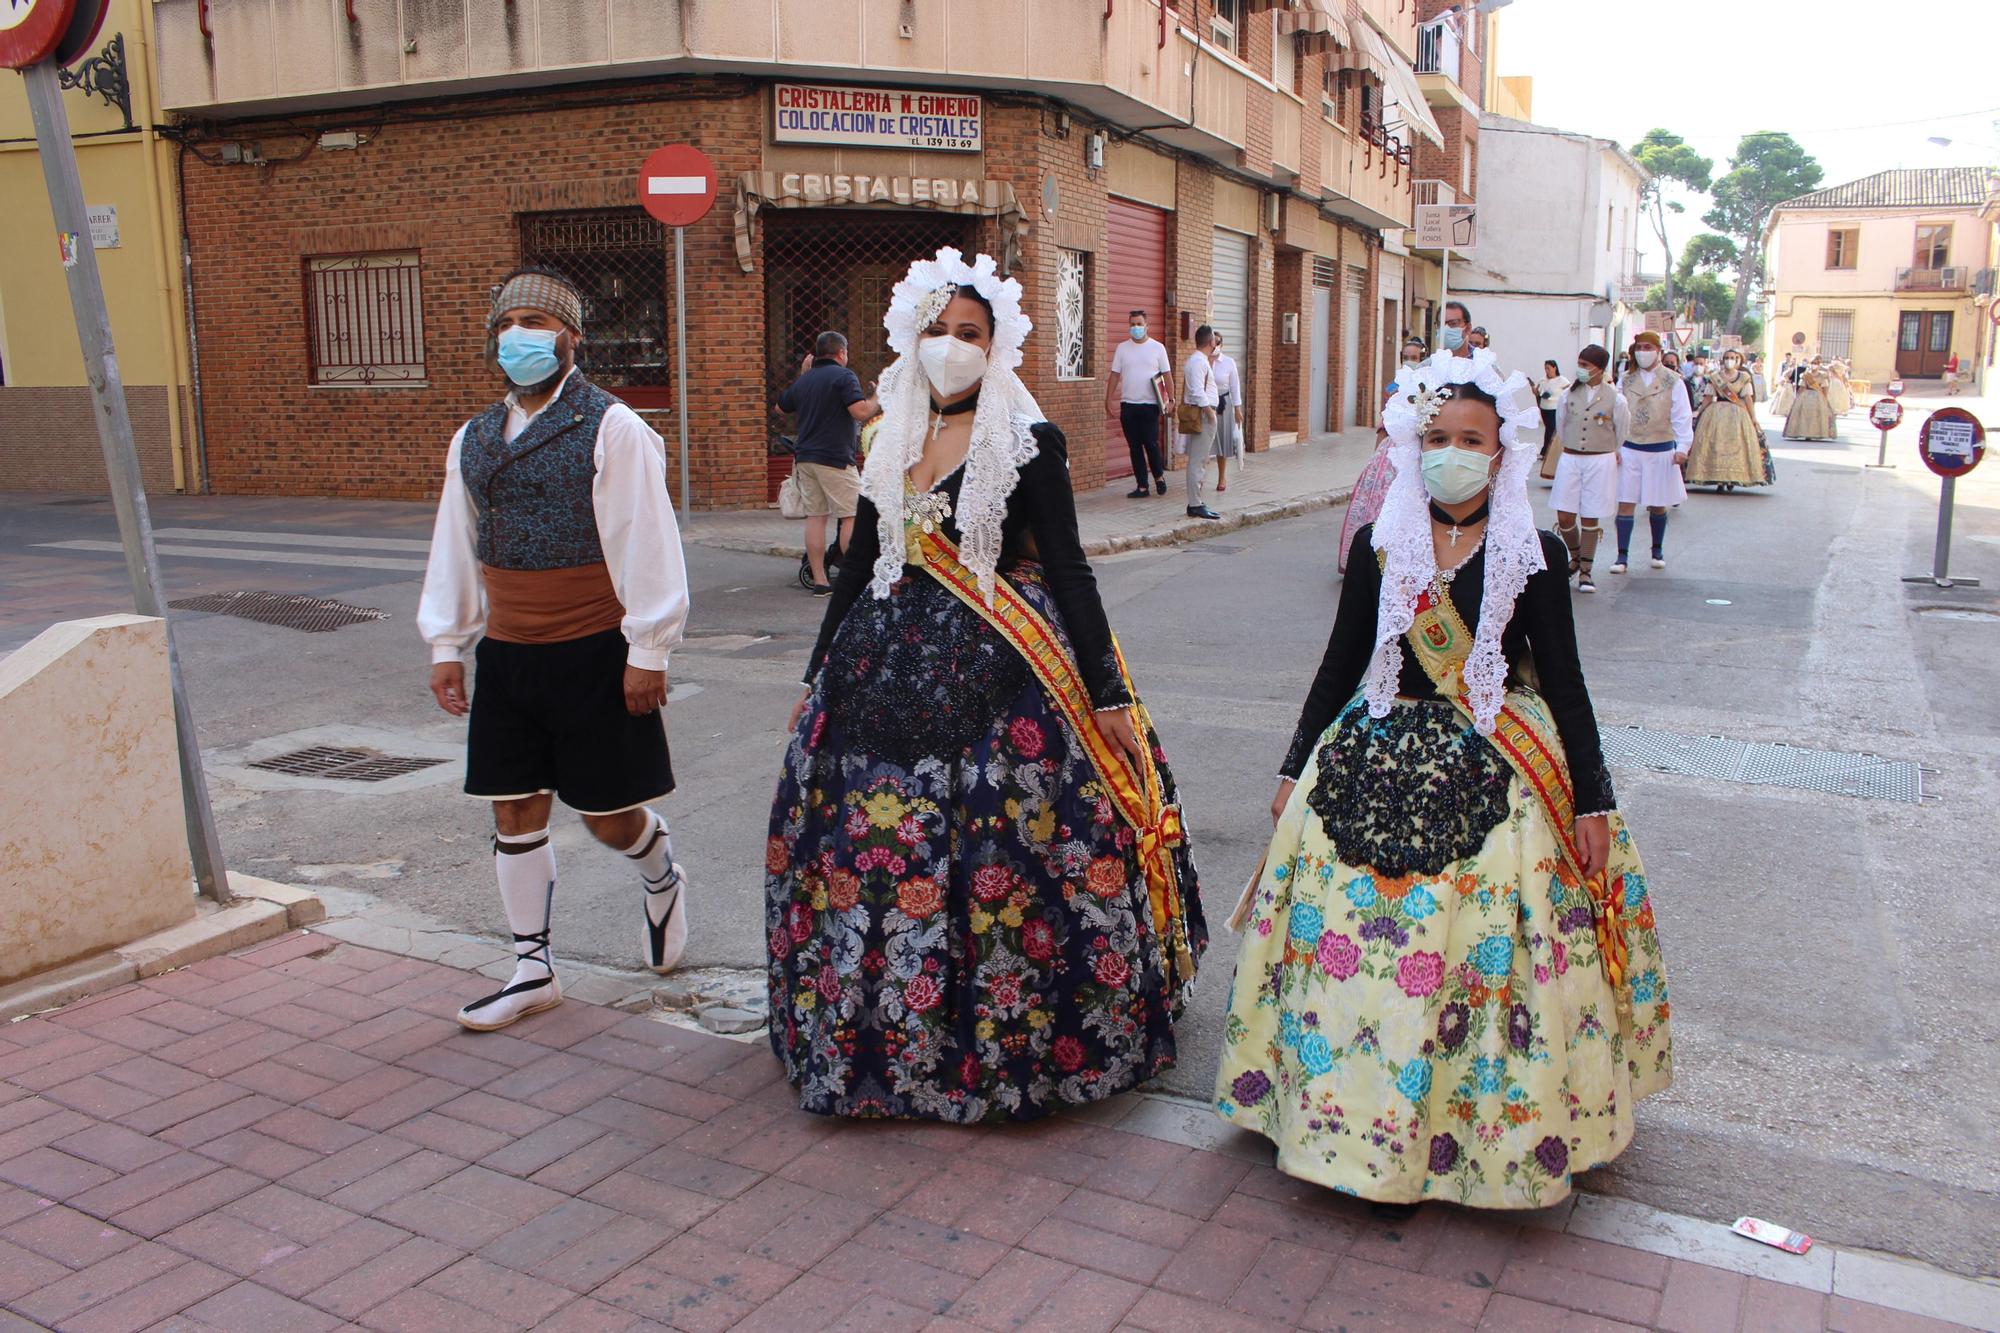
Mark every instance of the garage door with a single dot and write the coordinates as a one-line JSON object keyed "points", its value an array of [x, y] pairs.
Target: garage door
{"points": [[1229, 300], [1135, 278]]}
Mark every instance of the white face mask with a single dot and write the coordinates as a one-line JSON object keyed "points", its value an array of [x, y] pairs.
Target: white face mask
{"points": [[1646, 359], [952, 365]]}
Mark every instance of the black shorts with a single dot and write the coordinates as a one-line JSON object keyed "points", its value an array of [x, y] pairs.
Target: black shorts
{"points": [[550, 717]]}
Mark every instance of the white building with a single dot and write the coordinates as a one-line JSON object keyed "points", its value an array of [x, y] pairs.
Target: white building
{"points": [[1557, 261]]}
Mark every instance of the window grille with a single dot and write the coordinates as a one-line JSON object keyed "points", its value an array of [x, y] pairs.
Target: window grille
{"points": [[1072, 316], [1836, 334], [617, 257], [1325, 271], [364, 319]]}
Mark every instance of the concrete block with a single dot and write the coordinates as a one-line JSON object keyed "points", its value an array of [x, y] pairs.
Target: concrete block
{"points": [[88, 716], [213, 931], [65, 985], [1917, 1289], [302, 906]]}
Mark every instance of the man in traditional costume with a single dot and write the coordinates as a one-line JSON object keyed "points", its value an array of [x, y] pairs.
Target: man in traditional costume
{"points": [[1656, 445], [556, 552], [1591, 421]]}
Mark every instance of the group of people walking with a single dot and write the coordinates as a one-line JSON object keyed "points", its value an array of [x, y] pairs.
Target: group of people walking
{"points": [[981, 899]]}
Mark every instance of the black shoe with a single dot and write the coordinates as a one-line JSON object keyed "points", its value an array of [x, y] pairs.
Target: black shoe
{"points": [[1139, 494], [1160, 483], [821, 590], [1202, 511]]}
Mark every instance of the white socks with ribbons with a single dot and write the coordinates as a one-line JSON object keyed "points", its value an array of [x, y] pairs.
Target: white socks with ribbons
{"points": [[665, 885]]}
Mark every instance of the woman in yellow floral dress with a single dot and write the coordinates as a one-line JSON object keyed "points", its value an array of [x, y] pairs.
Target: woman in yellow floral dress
{"points": [[1450, 986]]}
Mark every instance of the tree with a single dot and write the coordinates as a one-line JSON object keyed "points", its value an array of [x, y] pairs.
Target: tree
{"points": [[1752, 330], [1670, 160], [1768, 168], [1708, 253], [1709, 293]]}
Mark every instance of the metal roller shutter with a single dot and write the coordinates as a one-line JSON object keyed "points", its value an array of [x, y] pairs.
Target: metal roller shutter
{"points": [[1134, 271], [1229, 299]]}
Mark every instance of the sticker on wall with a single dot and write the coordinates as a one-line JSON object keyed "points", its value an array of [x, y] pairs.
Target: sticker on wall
{"points": [[70, 242]]}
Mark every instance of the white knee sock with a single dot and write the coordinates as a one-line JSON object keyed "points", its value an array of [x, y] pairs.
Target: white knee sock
{"points": [[525, 865], [654, 855]]}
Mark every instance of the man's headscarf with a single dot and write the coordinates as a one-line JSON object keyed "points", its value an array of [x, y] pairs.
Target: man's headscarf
{"points": [[539, 291]]}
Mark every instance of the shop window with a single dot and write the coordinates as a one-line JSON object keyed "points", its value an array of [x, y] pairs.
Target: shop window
{"points": [[1836, 334], [1933, 245], [1072, 316], [1842, 245], [617, 257], [365, 318]]}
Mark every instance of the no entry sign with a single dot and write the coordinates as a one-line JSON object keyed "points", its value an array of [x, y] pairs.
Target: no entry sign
{"points": [[676, 185], [1951, 442], [30, 29], [1887, 414]]}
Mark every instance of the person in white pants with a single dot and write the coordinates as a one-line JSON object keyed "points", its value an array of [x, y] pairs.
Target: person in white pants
{"points": [[1655, 448], [1591, 420]]}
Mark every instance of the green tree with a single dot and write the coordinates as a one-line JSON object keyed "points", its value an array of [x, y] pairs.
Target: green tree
{"points": [[1671, 161], [1752, 330], [1768, 168], [1709, 293], [1708, 253]]}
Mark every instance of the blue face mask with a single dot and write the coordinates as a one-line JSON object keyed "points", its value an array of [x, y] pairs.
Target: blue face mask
{"points": [[1138, 333], [1452, 338], [528, 356]]}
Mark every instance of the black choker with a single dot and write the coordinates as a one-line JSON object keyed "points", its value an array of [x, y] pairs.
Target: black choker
{"points": [[957, 409], [1476, 516]]}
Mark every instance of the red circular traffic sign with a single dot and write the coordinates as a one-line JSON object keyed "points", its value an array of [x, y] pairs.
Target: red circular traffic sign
{"points": [[676, 184], [80, 34], [1951, 442], [30, 29], [1887, 414]]}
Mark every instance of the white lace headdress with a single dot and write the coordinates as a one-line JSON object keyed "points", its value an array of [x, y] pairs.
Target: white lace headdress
{"points": [[1403, 530], [1001, 439]]}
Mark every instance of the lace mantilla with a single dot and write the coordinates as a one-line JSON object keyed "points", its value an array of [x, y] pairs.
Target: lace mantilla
{"points": [[1403, 530], [1002, 437]]}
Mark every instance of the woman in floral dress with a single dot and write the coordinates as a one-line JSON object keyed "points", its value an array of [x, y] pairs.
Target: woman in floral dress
{"points": [[1450, 986], [980, 904]]}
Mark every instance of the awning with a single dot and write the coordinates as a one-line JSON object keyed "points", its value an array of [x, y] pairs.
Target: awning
{"points": [[792, 189], [1373, 53], [1317, 26]]}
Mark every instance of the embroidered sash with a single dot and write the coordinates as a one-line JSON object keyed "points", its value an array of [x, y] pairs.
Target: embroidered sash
{"points": [[1136, 797], [1525, 736]]}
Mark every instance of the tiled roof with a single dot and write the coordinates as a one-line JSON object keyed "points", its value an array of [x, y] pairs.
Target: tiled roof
{"points": [[1905, 187]]}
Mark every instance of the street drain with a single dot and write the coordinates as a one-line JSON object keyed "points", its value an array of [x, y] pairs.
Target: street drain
{"points": [[1957, 613], [343, 765], [1763, 764], [314, 615]]}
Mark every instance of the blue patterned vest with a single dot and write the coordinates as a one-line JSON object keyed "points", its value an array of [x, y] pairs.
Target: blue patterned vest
{"points": [[533, 492]]}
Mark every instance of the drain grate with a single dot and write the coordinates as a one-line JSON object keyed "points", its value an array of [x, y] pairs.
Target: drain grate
{"points": [[343, 765], [1762, 763], [315, 615]]}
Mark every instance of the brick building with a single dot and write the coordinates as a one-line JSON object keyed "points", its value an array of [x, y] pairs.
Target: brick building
{"points": [[351, 199]]}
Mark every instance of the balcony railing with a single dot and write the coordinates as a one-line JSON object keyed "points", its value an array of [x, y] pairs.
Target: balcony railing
{"points": [[1438, 49], [1435, 192], [1950, 279]]}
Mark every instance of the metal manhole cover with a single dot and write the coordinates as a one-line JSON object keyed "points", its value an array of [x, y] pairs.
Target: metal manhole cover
{"points": [[343, 765], [1764, 764], [1972, 613], [314, 615]]}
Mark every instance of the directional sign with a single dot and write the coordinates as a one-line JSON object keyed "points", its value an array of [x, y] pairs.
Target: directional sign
{"points": [[1951, 442], [30, 29], [676, 184]]}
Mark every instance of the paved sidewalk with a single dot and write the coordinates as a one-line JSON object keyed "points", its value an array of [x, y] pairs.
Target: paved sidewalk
{"points": [[1280, 483], [299, 1138]]}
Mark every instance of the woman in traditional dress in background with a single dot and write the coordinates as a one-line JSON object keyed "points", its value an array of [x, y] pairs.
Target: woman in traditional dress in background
{"points": [[1784, 389], [1373, 483], [1811, 417], [1838, 396], [979, 901], [1450, 985], [1729, 449]]}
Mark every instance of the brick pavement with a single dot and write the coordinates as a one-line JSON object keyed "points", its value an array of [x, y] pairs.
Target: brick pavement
{"points": [[299, 1137]]}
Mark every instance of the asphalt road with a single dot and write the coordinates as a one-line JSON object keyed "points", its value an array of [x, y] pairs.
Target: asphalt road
{"points": [[1831, 957]]}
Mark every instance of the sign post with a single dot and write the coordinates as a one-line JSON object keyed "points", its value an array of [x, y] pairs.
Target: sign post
{"points": [[677, 186], [1885, 416], [33, 40], [1445, 227], [1951, 443]]}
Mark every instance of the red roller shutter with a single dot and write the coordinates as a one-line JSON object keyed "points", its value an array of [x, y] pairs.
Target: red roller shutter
{"points": [[1135, 278]]}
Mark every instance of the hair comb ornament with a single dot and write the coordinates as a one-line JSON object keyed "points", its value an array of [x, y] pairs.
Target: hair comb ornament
{"points": [[1428, 402], [932, 306]]}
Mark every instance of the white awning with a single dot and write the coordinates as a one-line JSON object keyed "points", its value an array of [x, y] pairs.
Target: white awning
{"points": [[1372, 52], [1317, 25]]}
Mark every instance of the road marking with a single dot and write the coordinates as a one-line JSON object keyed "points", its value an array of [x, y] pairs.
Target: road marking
{"points": [[298, 539], [330, 559]]}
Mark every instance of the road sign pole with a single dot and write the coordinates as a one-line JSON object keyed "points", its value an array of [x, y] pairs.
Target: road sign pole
{"points": [[1882, 454], [121, 458], [681, 357]]}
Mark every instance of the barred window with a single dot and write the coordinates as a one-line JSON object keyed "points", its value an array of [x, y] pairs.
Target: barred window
{"points": [[1836, 334], [1072, 316], [365, 318], [617, 257]]}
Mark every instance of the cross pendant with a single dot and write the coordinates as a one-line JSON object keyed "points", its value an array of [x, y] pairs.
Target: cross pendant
{"points": [[1454, 534]]}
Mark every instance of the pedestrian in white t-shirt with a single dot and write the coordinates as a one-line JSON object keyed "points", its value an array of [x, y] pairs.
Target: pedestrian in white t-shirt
{"points": [[1136, 392]]}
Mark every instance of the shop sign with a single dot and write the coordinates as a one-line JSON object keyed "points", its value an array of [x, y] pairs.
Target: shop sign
{"points": [[838, 113], [828, 187]]}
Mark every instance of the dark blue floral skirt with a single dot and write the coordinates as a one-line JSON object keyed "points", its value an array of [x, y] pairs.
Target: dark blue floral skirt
{"points": [[958, 927]]}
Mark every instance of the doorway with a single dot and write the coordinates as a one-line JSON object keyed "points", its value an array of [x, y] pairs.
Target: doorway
{"points": [[1923, 343], [1322, 322]]}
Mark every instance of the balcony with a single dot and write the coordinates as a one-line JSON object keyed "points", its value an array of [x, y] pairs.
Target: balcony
{"points": [[1287, 145], [1951, 279], [1366, 176], [1433, 192]]}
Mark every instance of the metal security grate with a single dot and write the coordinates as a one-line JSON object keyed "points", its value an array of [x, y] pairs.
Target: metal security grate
{"points": [[315, 615], [617, 258], [343, 765], [1762, 763]]}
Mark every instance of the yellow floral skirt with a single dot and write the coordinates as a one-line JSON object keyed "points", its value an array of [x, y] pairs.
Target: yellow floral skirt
{"points": [[1438, 1036]]}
